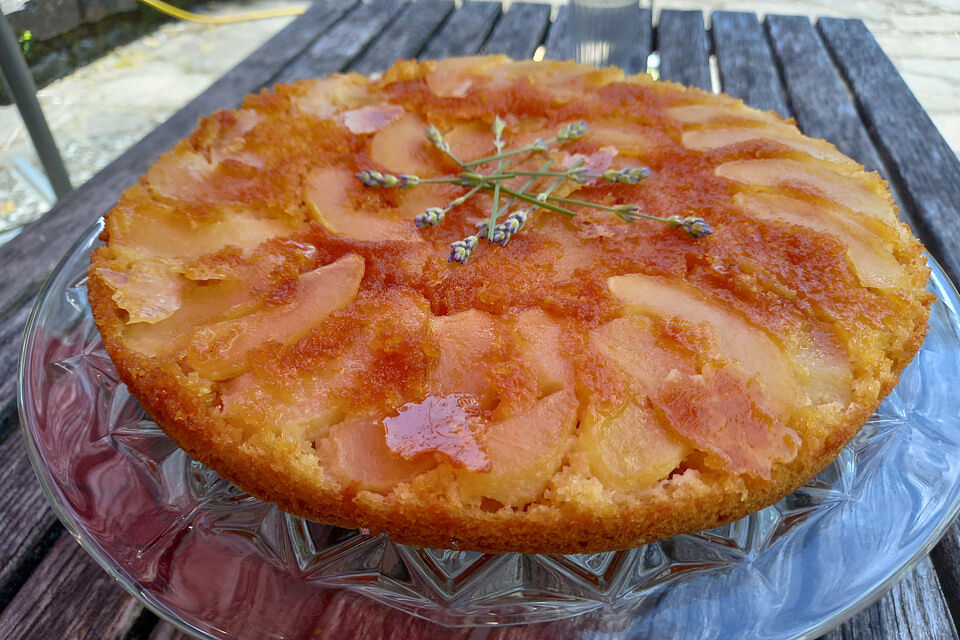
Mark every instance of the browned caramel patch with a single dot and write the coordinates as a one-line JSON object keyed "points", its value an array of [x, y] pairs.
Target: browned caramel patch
{"points": [[447, 426]]}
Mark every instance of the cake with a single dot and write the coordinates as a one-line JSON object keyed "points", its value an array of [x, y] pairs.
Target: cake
{"points": [[588, 382]]}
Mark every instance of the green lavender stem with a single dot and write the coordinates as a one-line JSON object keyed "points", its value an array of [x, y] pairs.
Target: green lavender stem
{"points": [[495, 210], [541, 146]]}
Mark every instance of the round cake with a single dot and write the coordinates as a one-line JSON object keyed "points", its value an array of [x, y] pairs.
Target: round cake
{"points": [[508, 306]]}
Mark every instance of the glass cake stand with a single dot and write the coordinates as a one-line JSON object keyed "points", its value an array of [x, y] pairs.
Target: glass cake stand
{"points": [[219, 563]]}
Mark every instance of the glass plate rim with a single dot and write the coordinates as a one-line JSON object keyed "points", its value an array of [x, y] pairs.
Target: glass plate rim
{"points": [[938, 277]]}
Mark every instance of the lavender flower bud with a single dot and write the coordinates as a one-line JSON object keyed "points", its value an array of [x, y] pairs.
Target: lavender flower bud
{"points": [[370, 179], [674, 222], [696, 227], [390, 180], [627, 212], [469, 178], [628, 175], [436, 138], [430, 217], [408, 181], [572, 131], [506, 229], [375, 180], [578, 175], [538, 145], [461, 249], [498, 126]]}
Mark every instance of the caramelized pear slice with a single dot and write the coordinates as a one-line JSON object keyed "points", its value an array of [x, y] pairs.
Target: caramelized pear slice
{"points": [[814, 179], [627, 449], [327, 193], [300, 412], [165, 232], [465, 341], [715, 411], [874, 265], [702, 113], [149, 293], [219, 351], [361, 456], [738, 340], [524, 450], [708, 139], [400, 147], [538, 339]]}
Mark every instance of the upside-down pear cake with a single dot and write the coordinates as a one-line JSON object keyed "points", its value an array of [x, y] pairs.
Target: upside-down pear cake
{"points": [[508, 306]]}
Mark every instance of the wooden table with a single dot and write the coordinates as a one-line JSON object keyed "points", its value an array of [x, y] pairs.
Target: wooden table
{"points": [[832, 77]]}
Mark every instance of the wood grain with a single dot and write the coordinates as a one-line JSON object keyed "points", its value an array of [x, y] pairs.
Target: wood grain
{"points": [[464, 32], [921, 162], [519, 31], [946, 561], [912, 610], [405, 37], [684, 48], [343, 43], [745, 63], [28, 522], [561, 40], [818, 99], [69, 596]]}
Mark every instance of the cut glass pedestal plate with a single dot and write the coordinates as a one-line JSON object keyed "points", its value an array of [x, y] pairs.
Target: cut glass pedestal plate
{"points": [[219, 563]]}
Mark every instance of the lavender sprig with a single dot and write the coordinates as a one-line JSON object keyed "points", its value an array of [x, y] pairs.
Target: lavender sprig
{"points": [[461, 249], [501, 232], [693, 226], [435, 215], [376, 180], [498, 126], [436, 139]]}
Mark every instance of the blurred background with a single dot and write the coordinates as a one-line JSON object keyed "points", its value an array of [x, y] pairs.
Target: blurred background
{"points": [[109, 71]]}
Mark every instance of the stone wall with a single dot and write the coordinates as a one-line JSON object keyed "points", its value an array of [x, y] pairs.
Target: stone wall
{"points": [[47, 19]]}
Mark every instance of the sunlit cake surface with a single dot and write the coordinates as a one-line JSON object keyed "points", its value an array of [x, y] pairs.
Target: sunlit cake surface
{"points": [[592, 385]]}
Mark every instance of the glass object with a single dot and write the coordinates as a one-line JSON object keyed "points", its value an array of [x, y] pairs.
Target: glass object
{"points": [[217, 562], [604, 32]]}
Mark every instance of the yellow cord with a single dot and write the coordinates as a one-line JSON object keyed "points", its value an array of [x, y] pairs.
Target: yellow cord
{"points": [[176, 12]]}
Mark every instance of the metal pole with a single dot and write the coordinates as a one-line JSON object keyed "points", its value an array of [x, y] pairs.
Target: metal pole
{"points": [[21, 86]]}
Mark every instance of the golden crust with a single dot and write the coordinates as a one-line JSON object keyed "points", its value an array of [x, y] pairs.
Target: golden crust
{"points": [[755, 354]]}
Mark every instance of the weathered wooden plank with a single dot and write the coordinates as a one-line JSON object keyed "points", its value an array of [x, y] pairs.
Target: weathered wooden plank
{"points": [[519, 31], [912, 610], [920, 160], [745, 63], [11, 334], [644, 43], [166, 631], [405, 37], [69, 596], [818, 99], [684, 49], [561, 43], [343, 42], [946, 561], [27, 259], [28, 522], [464, 32]]}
